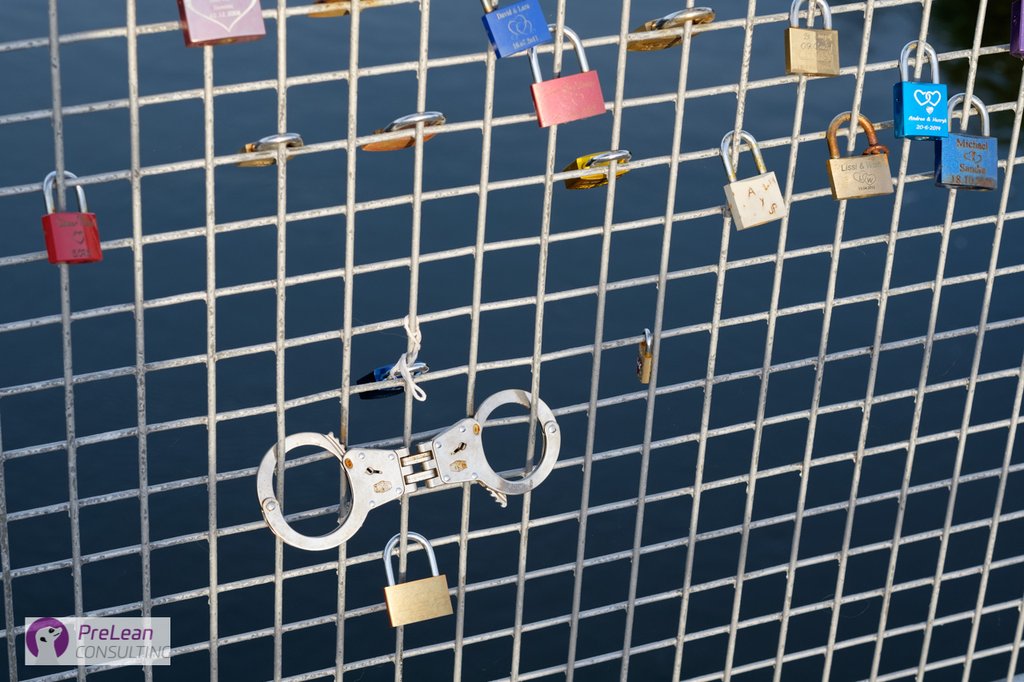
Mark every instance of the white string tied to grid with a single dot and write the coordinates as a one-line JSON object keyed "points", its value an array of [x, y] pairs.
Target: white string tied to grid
{"points": [[402, 366]]}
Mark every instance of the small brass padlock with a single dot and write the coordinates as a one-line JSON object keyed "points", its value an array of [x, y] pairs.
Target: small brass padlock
{"points": [[752, 201], [697, 15], [858, 177], [266, 144], [645, 358], [418, 600], [595, 161], [811, 51], [427, 118]]}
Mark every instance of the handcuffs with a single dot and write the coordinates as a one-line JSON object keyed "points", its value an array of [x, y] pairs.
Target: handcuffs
{"points": [[376, 477]]}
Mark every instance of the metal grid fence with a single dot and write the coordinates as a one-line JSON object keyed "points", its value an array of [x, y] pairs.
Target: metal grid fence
{"points": [[580, 455]]}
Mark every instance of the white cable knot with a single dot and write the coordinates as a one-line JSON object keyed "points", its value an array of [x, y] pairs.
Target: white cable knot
{"points": [[404, 366]]}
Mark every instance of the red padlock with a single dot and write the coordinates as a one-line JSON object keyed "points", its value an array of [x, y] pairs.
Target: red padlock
{"points": [[568, 98], [70, 237]]}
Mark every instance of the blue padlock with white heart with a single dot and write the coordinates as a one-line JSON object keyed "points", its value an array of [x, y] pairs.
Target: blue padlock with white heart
{"points": [[515, 28], [965, 161], [920, 109]]}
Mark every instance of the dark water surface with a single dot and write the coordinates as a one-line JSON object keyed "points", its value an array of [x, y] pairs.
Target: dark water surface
{"points": [[98, 142]]}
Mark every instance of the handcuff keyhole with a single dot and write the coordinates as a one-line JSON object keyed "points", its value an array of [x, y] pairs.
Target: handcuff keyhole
{"points": [[372, 472], [460, 448]]}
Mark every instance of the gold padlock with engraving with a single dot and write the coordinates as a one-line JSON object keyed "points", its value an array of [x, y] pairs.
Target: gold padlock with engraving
{"points": [[645, 358], [418, 600], [811, 51], [596, 161], [697, 15], [858, 177]]}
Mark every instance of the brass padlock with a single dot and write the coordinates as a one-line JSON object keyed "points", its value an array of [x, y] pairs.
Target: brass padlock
{"points": [[645, 358], [418, 600], [811, 51], [595, 161], [752, 201], [427, 118], [697, 15], [858, 177], [266, 144]]}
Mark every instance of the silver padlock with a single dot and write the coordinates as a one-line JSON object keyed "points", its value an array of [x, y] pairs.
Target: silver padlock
{"points": [[752, 201]]}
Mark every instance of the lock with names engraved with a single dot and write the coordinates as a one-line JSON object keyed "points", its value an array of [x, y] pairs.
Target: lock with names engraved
{"points": [[70, 237], [515, 28], [566, 98], [812, 51], [216, 22], [694, 15], [1017, 29], [752, 201], [858, 177], [920, 109], [598, 160], [645, 358], [965, 161], [419, 600]]}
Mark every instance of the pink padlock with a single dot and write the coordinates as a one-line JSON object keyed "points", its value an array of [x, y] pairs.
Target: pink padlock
{"points": [[568, 98], [215, 22], [1017, 30]]}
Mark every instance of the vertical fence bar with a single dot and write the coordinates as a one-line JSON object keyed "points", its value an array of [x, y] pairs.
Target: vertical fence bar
{"points": [[57, 120], [5, 567]]}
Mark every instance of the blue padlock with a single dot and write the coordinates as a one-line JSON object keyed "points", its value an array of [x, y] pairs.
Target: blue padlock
{"points": [[387, 373], [515, 28], [921, 110], [968, 161]]}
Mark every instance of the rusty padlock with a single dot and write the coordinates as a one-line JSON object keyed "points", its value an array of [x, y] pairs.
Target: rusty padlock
{"points": [[418, 600], [566, 98], [696, 15], [216, 22], [70, 237], [858, 177]]}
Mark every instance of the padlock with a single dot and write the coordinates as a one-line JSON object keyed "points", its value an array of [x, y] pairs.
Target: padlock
{"points": [[1017, 30], [515, 28], [645, 358], [858, 177], [566, 98], [215, 22], [752, 201], [811, 51], [968, 161], [595, 161], [418, 600], [387, 373], [695, 15], [427, 118], [70, 237], [266, 144], [920, 109], [338, 10]]}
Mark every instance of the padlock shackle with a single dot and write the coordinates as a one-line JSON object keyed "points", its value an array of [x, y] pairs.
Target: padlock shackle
{"points": [[929, 51], [833, 130], [826, 14], [976, 105], [49, 180], [272, 142], [415, 537], [577, 45], [489, 5], [649, 339], [427, 118], [726, 151], [697, 15], [620, 155]]}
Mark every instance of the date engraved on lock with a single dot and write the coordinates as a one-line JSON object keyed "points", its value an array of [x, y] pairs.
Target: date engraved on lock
{"points": [[224, 13]]}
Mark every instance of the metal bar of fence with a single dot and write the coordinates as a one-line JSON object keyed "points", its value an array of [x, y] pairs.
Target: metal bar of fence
{"points": [[786, 652]]}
